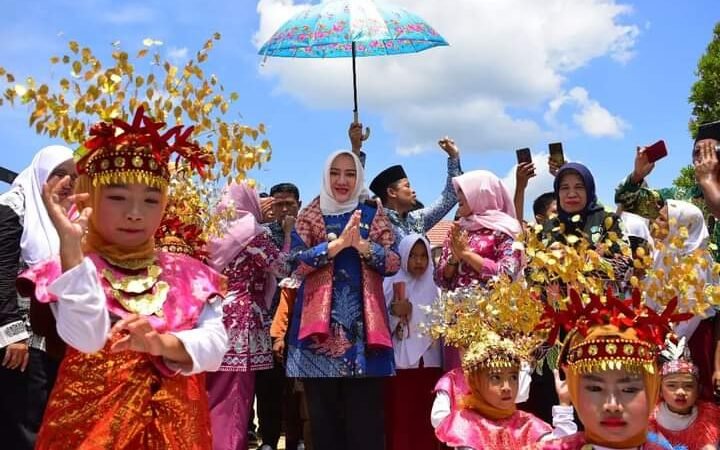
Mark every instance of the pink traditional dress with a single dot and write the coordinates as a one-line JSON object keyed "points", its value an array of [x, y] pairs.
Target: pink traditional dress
{"points": [[467, 428], [695, 430], [247, 316], [247, 256], [499, 257], [578, 442], [130, 399], [491, 230]]}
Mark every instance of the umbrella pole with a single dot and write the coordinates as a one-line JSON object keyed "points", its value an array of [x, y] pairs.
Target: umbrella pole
{"points": [[355, 111], [366, 134]]}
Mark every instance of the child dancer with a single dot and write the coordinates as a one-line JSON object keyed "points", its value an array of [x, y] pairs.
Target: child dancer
{"points": [[475, 406], [679, 416], [137, 321]]}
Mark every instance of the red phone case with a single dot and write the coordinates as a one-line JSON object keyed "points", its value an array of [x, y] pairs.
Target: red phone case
{"points": [[656, 151]]}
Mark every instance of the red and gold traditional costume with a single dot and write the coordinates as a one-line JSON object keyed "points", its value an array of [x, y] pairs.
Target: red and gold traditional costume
{"points": [[606, 334], [698, 428], [129, 399]]}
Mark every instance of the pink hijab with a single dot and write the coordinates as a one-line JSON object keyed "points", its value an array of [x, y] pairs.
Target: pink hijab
{"points": [[489, 201], [241, 229]]}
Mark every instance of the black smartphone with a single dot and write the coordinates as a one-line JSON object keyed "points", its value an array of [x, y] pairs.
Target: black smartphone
{"points": [[523, 155], [556, 153]]}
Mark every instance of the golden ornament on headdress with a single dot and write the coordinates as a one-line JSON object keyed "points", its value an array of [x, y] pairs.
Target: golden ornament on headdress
{"points": [[99, 91], [495, 324]]}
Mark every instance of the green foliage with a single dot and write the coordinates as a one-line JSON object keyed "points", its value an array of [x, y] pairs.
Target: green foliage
{"points": [[685, 182], [705, 92]]}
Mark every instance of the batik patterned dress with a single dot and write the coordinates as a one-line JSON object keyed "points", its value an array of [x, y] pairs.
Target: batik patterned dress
{"points": [[355, 282], [246, 315]]}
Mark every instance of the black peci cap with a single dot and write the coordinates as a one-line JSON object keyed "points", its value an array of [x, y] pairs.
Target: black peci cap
{"points": [[385, 178]]}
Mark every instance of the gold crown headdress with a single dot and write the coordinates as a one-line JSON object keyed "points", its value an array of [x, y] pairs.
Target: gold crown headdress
{"points": [[495, 324]]}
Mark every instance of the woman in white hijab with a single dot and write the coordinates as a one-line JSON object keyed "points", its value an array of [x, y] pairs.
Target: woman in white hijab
{"points": [[27, 237], [339, 338], [677, 217]]}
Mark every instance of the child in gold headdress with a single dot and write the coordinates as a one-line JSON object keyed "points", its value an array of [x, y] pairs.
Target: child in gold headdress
{"points": [[609, 360], [475, 406], [137, 320]]}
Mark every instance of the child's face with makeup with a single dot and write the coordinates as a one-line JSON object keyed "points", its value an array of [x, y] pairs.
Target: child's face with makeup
{"points": [[680, 392], [613, 404], [128, 214]]}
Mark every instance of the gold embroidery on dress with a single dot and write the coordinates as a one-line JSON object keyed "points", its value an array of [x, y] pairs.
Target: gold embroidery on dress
{"points": [[133, 284], [141, 294], [145, 304]]}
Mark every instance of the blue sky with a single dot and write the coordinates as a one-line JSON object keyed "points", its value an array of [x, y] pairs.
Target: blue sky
{"points": [[602, 76]]}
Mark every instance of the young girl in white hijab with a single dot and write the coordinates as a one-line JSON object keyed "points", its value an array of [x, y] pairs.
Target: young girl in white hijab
{"points": [[409, 395]]}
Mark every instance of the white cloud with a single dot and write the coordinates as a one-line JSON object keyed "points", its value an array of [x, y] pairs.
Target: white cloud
{"points": [[541, 183], [178, 55], [590, 116], [505, 56], [129, 14]]}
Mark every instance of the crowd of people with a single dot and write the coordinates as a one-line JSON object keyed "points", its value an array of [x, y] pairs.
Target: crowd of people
{"points": [[119, 331]]}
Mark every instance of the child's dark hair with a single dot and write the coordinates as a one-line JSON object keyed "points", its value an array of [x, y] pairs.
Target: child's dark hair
{"points": [[542, 203], [287, 188]]}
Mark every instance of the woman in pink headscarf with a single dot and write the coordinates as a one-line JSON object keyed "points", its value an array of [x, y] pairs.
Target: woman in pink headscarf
{"points": [[247, 256], [479, 245]]}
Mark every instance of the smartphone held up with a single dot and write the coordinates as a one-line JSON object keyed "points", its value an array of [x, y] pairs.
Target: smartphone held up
{"points": [[556, 153], [656, 151], [523, 155]]}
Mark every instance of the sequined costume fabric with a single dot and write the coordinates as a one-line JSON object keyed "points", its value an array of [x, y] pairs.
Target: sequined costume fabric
{"points": [[131, 400]]}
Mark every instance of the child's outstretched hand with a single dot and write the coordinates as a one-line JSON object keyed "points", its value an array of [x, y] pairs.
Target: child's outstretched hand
{"points": [[137, 335], [69, 230]]}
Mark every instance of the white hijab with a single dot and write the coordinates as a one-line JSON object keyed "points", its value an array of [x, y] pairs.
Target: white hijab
{"points": [[684, 214], [328, 204], [39, 239], [637, 226], [421, 291]]}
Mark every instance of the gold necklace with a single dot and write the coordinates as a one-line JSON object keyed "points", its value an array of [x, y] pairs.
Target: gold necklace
{"points": [[140, 294], [131, 264], [133, 284], [145, 304]]}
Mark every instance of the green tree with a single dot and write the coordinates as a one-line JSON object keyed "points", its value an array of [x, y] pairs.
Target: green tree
{"points": [[685, 182], [705, 92]]}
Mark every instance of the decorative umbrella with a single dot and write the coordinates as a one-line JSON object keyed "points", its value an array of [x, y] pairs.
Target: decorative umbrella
{"points": [[351, 28]]}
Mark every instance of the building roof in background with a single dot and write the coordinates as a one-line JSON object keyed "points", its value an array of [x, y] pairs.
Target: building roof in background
{"points": [[436, 235]]}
